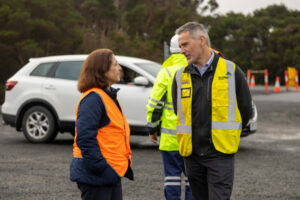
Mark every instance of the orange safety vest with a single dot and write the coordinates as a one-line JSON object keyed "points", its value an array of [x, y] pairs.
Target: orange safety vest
{"points": [[217, 52], [113, 139]]}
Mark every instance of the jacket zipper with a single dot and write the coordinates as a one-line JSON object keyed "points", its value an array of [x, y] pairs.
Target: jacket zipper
{"points": [[208, 87]]}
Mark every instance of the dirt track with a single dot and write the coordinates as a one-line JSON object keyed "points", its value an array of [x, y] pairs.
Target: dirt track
{"points": [[267, 165]]}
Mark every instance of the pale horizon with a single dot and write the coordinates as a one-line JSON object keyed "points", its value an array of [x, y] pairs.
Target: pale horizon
{"points": [[248, 6]]}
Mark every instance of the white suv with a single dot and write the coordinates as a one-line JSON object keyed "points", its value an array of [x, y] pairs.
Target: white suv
{"points": [[41, 98]]}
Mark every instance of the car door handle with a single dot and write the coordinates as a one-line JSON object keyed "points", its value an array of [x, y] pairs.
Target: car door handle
{"points": [[50, 87]]}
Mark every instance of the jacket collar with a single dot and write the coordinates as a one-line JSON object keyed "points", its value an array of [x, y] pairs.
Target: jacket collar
{"points": [[112, 92], [192, 70]]}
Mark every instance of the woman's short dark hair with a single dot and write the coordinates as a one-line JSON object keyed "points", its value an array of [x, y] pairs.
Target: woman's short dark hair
{"points": [[94, 68]]}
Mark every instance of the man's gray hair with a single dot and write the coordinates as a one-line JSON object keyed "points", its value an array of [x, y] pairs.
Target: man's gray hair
{"points": [[195, 29]]}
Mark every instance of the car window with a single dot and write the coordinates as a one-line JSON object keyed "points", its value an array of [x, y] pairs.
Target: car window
{"points": [[42, 69], [127, 76], [68, 70], [151, 67]]}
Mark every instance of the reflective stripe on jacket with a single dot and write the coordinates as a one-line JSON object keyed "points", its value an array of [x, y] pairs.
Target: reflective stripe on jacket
{"points": [[113, 140], [226, 118], [160, 107]]}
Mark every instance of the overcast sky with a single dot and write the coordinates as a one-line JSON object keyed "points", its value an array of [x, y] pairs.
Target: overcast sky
{"points": [[248, 6]]}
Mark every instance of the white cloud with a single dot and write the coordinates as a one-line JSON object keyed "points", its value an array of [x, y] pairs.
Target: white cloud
{"points": [[248, 6]]}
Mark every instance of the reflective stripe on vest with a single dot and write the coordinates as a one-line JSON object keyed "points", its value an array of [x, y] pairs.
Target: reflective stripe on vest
{"points": [[184, 120], [168, 131], [231, 124], [226, 119], [169, 73], [113, 140]]}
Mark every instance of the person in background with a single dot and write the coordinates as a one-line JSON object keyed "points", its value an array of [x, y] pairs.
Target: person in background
{"points": [[176, 58], [161, 118], [212, 101], [101, 149]]}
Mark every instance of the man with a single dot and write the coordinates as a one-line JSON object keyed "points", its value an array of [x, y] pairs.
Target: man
{"points": [[160, 112], [212, 101]]}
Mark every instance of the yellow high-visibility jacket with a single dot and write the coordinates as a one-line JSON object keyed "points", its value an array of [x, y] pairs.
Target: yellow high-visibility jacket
{"points": [[160, 108], [176, 59], [226, 118]]}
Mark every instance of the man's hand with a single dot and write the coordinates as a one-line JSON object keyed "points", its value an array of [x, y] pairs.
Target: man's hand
{"points": [[153, 138]]}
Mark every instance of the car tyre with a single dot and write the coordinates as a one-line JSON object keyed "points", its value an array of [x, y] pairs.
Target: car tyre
{"points": [[38, 125]]}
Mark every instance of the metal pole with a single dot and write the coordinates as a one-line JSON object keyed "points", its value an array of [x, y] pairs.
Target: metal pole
{"points": [[166, 50]]}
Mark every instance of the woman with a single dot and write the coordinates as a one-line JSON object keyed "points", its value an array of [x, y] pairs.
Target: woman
{"points": [[101, 150]]}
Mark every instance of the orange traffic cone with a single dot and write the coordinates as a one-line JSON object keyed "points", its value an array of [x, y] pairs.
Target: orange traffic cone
{"points": [[277, 85], [297, 81], [252, 83]]}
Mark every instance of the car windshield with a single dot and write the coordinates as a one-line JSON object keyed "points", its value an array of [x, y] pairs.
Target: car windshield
{"points": [[151, 67]]}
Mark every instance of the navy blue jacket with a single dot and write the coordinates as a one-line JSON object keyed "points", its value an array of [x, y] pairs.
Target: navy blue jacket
{"points": [[92, 168]]}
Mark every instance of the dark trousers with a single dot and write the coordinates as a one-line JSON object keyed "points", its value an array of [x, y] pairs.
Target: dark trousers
{"points": [[173, 168], [106, 192], [210, 179]]}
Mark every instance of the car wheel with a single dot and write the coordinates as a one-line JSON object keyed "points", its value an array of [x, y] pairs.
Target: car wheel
{"points": [[38, 125]]}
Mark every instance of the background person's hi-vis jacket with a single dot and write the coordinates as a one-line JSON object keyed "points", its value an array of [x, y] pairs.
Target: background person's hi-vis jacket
{"points": [[160, 112]]}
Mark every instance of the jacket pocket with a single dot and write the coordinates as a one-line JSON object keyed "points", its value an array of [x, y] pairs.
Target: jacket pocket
{"points": [[221, 95], [95, 166], [226, 142], [110, 175], [101, 169]]}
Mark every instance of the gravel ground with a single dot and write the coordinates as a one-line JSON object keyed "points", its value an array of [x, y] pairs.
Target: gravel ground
{"points": [[267, 164]]}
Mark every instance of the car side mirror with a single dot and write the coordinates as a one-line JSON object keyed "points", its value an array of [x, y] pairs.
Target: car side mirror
{"points": [[141, 81]]}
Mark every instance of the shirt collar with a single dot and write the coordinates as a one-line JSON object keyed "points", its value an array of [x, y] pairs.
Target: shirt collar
{"points": [[211, 58], [207, 64]]}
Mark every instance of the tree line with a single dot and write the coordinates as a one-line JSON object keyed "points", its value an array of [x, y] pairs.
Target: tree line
{"points": [[268, 38]]}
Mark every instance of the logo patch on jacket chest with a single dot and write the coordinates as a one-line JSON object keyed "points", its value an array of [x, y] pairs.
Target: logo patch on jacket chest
{"points": [[185, 82], [185, 92], [228, 74]]}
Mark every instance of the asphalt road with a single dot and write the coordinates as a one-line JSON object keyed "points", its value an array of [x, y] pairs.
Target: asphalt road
{"points": [[267, 164]]}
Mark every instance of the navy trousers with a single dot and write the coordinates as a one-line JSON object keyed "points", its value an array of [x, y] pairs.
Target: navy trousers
{"points": [[173, 169], [106, 192]]}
